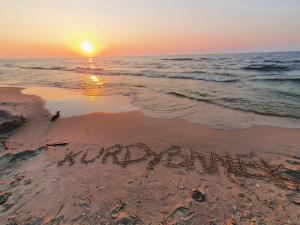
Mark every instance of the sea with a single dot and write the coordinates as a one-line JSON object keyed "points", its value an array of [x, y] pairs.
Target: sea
{"points": [[219, 90]]}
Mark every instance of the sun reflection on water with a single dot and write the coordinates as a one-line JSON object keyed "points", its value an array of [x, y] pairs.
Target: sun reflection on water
{"points": [[91, 63], [93, 84]]}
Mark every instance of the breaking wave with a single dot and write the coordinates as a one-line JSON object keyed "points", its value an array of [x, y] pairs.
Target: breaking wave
{"points": [[178, 59], [279, 79], [186, 59], [266, 67], [185, 75], [239, 104]]}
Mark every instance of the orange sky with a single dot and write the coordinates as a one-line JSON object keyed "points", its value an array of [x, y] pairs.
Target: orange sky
{"points": [[56, 28]]}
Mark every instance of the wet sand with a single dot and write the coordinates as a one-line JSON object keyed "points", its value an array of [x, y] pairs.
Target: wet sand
{"points": [[126, 168]]}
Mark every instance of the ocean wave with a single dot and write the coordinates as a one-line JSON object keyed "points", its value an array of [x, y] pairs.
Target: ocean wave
{"points": [[212, 73], [145, 73], [208, 79], [155, 74], [37, 67], [238, 104], [266, 67], [273, 61], [232, 100], [212, 100], [202, 59], [218, 80], [183, 76], [295, 96], [61, 68], [176, 94], [98, 71], [198, 59], [203, 95], [195, 72], [278, 79], [178, 59]]}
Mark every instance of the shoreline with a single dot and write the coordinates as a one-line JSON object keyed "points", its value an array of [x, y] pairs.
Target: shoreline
{"points": [[39, 111], [234, 119], [93, 186]]}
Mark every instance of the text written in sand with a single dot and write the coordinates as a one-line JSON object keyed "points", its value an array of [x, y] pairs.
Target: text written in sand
{"points": [[246, 165]]}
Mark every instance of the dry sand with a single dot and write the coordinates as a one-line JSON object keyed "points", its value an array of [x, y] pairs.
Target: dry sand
{"points": [[127, 168]]}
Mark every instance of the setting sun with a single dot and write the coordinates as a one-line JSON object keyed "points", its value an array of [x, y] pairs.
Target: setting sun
{"points": [[87, 47]]}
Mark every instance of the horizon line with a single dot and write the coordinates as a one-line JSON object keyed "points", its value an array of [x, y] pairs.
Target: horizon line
{"points": [[154, 55]]}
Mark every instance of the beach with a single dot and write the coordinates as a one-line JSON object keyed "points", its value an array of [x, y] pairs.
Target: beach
{"points": [[124, 167], [149, 112]]}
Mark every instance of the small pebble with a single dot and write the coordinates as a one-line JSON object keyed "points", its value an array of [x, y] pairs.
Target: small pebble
{"points": [[4, 197], [198, 196], [28, 181]]}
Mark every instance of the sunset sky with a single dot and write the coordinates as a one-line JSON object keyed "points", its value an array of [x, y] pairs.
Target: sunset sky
{"points": [[56, 28]]}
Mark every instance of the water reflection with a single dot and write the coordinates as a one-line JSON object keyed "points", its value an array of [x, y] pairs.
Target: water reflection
{"points": [[93, 84], [92, 98], [91, 63], [72, 103]]}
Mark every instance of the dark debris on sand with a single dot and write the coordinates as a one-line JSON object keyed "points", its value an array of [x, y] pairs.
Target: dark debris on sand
{"points": [[198, 196], [9, 122]]}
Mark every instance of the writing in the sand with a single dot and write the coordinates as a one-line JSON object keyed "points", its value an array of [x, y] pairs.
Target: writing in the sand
{"points": [[247, 165]]}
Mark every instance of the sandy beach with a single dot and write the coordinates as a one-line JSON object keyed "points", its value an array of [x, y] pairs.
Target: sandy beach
{"points": [[127, 168], [149, 112]]}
